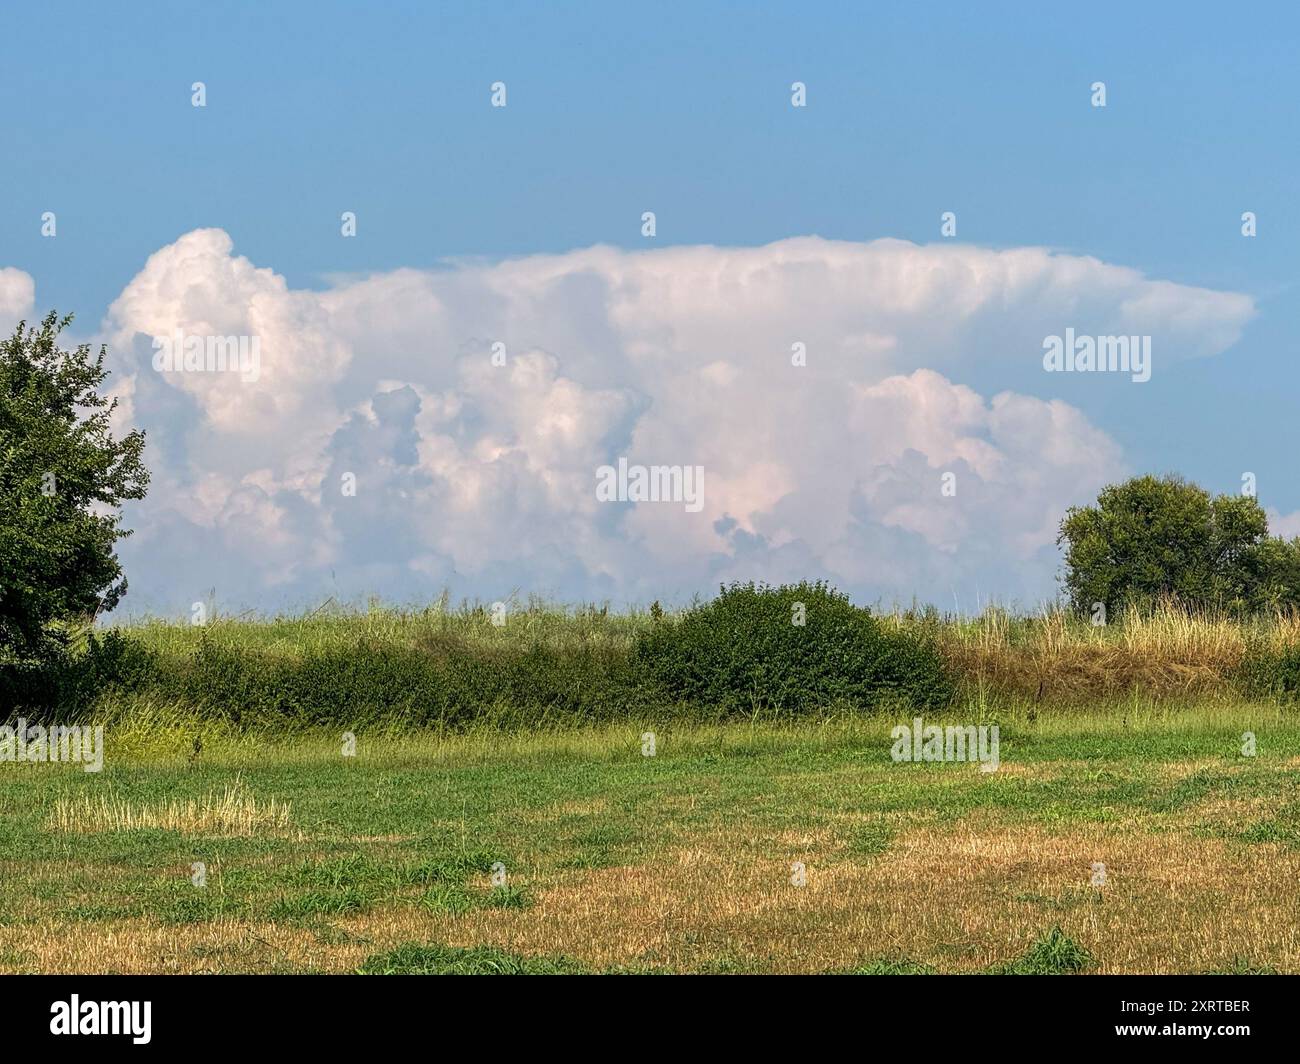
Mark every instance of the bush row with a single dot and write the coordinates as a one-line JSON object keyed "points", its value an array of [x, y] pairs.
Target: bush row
{"points": [[791, 649], [754, 650]]}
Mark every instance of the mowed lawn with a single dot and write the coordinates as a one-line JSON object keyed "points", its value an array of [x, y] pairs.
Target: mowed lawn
{"points": [[575, 852]]}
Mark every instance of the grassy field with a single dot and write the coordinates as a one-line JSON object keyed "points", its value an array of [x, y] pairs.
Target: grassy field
{"points": [[609, 860]]}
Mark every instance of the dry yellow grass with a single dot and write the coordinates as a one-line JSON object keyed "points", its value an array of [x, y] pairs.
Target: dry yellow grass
{"points": [[1165, 652], [961, 900], [958, 897], [233, 811]]}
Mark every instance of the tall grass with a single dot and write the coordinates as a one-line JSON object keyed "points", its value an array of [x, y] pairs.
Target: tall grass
{"points": [[546, 667], [534, 622], [1059, 657], [233, 811]]}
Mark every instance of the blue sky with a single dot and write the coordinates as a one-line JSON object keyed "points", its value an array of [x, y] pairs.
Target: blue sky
{"points": [[684, 109]]}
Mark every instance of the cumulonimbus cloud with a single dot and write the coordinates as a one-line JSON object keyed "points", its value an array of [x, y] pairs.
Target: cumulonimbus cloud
{"points": [[421, 429]]}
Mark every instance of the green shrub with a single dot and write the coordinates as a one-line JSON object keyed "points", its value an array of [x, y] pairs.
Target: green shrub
{"points": [[1270, 672], [747, 650], [454, 684], [67, 684]]}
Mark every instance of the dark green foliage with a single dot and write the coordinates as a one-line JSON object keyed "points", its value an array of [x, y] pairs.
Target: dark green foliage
{"points": [[1274, 572], [69, 684], [60, 469], [1154, 538], [745, 650], [452, 685], [1270, 672]]}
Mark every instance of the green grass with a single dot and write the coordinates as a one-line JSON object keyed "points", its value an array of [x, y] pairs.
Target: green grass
{"points": [[1053, 954], [405, 834], [871, 840]]}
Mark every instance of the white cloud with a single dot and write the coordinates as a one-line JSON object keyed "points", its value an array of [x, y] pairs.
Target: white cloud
{"points": [[17, 298], [482, 477], [198, 287], [1285, 525]]}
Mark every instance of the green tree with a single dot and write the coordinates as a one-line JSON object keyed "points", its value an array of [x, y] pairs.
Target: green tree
{"points": [[1276, 571], [62, 478], [1156, 538]]}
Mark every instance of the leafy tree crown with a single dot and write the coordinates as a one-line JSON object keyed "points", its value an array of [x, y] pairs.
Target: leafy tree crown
{"points": [[63, 477]]}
